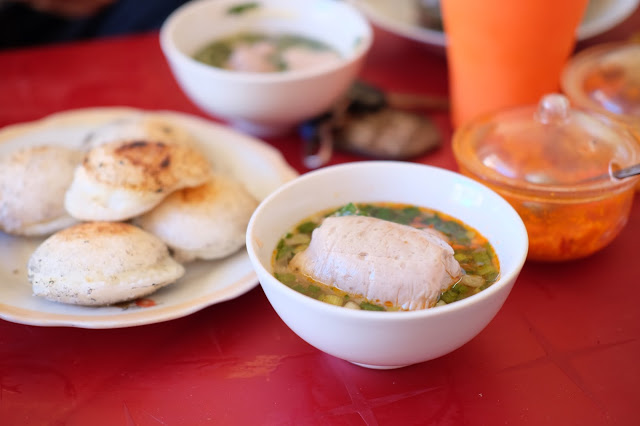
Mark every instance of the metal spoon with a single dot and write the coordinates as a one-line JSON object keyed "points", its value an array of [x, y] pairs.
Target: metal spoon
{"points": [[617, 174], [627, 172]]}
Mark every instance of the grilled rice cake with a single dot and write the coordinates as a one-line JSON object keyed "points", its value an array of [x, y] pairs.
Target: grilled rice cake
{"points": [[101, 263], [139, 126], [206, 222], [33, 182], [123, 179]]}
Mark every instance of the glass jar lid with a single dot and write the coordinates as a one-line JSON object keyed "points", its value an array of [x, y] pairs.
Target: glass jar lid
{"points": [[550, 147], [606, 78]]}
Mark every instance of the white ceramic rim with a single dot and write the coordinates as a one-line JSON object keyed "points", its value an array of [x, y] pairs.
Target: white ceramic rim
{"points": [[613, 12], [414, 32]]}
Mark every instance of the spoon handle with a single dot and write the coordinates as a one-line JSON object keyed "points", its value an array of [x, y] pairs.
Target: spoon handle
{"points": [[627, 172]]}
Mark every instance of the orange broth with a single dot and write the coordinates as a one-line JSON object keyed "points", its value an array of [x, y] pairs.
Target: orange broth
{"points": [[472, 250]]}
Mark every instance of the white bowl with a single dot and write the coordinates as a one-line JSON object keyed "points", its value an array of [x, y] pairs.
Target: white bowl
{"points": [[387, 339], [265, 103]]}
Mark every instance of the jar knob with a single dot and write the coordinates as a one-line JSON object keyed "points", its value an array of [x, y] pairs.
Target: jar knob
{"points": [[553, 108]]}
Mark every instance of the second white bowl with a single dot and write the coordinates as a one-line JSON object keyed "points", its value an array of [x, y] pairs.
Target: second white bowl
{"points": [[265, 104]]}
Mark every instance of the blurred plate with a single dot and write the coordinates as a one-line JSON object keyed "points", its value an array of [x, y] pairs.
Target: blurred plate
{"points": [[602, 15], [401, 17], [259, 166]]}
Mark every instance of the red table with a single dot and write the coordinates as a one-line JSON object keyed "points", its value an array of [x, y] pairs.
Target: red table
{"points": [[564, 349]]}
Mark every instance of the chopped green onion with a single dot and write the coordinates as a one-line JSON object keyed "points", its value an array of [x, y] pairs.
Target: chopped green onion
{"points": [[474, 281], [366, 306], [332, 299], [284, 252], [449, 296], [307, 227], [485, 269], [313, 291], [351, 305], [285, 278], [241, 8], [461, 257], [298, 239], [348, 210]]}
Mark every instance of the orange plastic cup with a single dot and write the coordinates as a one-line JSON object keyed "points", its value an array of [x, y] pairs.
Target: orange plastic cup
{"points": [[503, 54]]}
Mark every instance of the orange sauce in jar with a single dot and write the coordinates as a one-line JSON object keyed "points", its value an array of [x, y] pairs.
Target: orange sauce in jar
{"points": [[562, 228], [565, 230]]}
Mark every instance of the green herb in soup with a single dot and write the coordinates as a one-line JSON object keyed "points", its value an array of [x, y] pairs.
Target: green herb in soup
{"points": [[476, 257], [257, 52], [242, 8]]}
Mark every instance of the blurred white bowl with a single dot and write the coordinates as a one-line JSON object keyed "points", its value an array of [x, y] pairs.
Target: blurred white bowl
{"points": [[265, 103], [387, 339]]}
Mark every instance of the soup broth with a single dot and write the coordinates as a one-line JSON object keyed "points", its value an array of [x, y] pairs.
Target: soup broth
{"points": [[257, 52], [472, 250]]}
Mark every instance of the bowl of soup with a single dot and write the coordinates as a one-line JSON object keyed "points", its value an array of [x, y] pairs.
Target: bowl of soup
{"points": [[265, 66], [386, 264]]}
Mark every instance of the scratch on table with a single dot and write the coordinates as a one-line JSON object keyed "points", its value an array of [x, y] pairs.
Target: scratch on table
{"points": [[129, 421], [261, 365], [364, 407], [14, 373]]}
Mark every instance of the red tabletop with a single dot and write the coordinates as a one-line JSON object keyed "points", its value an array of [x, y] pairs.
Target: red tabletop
{"points": [[564, 349]]}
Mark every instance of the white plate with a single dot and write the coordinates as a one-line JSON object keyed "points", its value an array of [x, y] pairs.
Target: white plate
{"points": [[401, 17], [259, 166], [602, 15]]}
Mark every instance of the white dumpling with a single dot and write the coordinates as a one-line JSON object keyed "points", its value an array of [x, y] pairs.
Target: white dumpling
{"points": [[205, 222], [101, 263], [123, 179], [33, 182], [300, 58], [139, 126], [380, 260], [254, 57]]}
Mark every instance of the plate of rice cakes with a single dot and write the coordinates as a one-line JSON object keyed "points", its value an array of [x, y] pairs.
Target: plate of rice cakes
{"points": [[118, 217]]}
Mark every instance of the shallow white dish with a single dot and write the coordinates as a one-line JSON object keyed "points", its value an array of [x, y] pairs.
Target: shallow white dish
{"points": [[260, 167], [401, 18]]}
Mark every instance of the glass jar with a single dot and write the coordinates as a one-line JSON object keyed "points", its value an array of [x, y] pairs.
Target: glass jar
{"points": [[553, 164], [606, 78]]}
